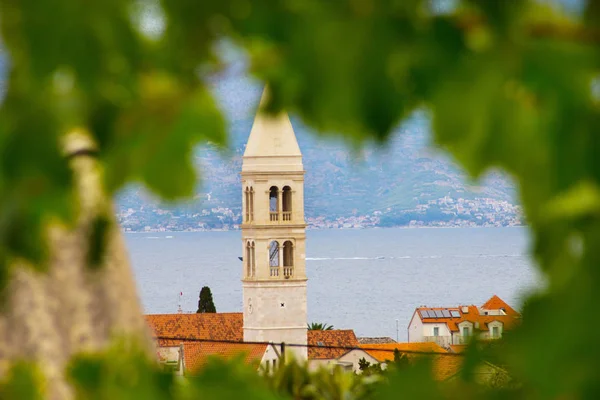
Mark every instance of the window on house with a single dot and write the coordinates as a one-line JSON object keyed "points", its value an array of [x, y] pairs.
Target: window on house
{"points": [[274, 364], [268, 365], [465, 331], [436, 331], [495, 332]]}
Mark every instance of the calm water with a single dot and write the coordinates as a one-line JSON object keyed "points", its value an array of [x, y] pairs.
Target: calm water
{"points": [[358, 279]]}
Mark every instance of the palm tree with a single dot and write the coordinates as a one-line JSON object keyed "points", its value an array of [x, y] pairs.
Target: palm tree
{"points": [[318, 326]]}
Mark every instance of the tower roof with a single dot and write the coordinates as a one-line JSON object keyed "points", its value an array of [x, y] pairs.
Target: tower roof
{"points": [[272, 144]]}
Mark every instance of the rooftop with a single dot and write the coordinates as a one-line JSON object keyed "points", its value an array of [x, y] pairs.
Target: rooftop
{"points": [[196, 354], [375, 340], [495, 309], [385, 352], [336, 338], [213, 326]]}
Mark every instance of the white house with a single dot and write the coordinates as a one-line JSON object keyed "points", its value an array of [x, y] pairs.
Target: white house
{"points": [[455, 325]]}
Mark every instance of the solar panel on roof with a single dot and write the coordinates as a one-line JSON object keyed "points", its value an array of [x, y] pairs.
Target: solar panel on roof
{"points": [[446, 313], [424, 314], [455, 313], [438, 313], [431, 314]]}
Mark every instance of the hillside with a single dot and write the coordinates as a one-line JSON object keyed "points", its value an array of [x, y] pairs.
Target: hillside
{"points": [[405, 183]]}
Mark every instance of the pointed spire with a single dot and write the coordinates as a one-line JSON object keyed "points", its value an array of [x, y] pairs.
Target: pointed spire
{"points": [[272, 144]]}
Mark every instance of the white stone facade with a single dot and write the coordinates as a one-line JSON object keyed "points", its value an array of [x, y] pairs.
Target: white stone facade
{"points": [[274, 235]]}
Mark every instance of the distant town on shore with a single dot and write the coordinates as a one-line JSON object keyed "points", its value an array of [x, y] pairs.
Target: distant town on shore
{"points": [[406, 185], [444, 212]]}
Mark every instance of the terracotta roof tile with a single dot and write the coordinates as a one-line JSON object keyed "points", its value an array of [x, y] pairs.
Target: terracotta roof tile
{"points": [[216, 326], [458, 348], [496, 303], [385, 352], [447, 366], [196, 354], [336, 337], [444, 364], [378, 340]]}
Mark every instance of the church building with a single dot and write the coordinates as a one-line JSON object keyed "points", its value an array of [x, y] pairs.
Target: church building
{"points": [[273, 234]]}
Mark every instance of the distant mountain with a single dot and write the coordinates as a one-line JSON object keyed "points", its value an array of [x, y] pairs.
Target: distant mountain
{"points": [[405, 183]]}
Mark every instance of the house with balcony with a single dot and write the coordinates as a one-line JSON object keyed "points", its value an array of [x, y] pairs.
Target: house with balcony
{"points": [[449, 326]]}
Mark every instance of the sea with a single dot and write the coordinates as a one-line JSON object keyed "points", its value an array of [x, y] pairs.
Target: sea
{"points": [[369, 280]]}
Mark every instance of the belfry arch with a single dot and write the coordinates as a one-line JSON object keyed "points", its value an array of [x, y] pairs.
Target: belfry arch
{"points": [[288, 258], [274, 203], [274, 258], [286, 200]]}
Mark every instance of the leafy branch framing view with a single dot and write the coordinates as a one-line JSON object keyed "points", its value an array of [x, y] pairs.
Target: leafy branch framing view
{"points": [[95, 100]]}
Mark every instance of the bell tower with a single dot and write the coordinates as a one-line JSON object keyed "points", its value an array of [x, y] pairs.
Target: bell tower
{"points": [[273, 234]]}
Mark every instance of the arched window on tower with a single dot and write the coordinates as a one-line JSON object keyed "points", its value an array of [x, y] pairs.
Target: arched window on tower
{"points": [[248, 259], [251, 208], [247, 204], [287, 203], [274, 258], [274, 203], [288, 259], [252, 260]]}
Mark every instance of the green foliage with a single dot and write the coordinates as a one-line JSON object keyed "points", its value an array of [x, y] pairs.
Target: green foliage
{"points": [[319, 326], [368, 369], [230, 379], [295, 380], [205, 301], [508, 84], [23, 381], [122, 372]]}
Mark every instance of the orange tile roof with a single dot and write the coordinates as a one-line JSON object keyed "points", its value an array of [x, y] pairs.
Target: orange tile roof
{"points": [[458, 348], [509, 321], [336, 337], [444, 364], [496, 303], [444, 367], [196, 354], [385, 352], [216, 326]]}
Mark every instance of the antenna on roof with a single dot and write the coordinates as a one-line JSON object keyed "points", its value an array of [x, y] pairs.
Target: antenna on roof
{"points": [[179, 309]]}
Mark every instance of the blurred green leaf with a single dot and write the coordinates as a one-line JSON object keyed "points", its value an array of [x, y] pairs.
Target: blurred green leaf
{"points": [[23, 381], [121, 372]]}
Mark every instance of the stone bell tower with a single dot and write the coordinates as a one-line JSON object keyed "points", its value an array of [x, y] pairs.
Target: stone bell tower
{"points": [[273, 234]]}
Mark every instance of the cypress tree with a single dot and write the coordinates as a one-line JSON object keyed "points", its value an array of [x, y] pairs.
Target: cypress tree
{"points": [[205, 302]]}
